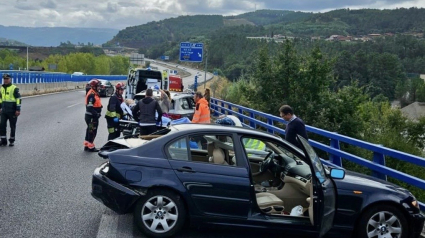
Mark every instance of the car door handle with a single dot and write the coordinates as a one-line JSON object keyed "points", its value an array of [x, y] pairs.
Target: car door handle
{"points": [[186, 169]]}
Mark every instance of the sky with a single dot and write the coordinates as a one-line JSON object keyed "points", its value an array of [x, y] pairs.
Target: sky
{"points": [[119, 14]]}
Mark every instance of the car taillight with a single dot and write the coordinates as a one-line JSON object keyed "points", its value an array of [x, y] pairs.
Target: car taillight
{"points": [[174, 116]]}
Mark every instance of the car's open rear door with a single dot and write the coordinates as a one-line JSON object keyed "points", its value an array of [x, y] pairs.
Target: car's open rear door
{"points": [[323, 190]]}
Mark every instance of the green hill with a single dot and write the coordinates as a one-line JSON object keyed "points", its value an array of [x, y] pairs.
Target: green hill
{"points": [[298, 24]]}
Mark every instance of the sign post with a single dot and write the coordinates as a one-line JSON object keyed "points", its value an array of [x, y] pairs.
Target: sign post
{"points": [[191, 52]]}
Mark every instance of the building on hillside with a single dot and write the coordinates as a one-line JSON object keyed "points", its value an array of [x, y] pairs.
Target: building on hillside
{"points": [[414, 110], [374, 35]]}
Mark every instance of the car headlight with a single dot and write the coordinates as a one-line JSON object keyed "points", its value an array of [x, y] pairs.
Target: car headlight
{"points": [[415, 203], [105, 168]]}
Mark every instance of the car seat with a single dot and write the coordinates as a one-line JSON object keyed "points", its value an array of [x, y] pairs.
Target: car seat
{"points": [[216, 155]]}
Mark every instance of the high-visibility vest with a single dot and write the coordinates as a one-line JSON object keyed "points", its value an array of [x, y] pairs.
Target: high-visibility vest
{"points": [[254, 144], [202, 112], [7, 95], [97, 102]]}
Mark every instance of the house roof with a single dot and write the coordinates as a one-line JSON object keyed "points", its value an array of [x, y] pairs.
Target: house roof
{"points": [[414, 111]]}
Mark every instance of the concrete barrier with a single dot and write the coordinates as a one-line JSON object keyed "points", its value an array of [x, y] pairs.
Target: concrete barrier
{"points": [[30, 89], [43, 88]]}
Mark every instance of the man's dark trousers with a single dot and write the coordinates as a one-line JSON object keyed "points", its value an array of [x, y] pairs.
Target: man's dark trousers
{"points": [[12, 118]]}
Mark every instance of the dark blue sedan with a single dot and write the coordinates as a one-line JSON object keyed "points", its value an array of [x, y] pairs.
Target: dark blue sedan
{"points": [[239, 177]]}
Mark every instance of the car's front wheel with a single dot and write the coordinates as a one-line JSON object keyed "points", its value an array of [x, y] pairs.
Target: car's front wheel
{"points": [[161, 213], [383, 221]]}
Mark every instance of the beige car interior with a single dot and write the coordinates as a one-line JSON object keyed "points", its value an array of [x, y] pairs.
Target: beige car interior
{"points": [[274, 199], [279, 201]]}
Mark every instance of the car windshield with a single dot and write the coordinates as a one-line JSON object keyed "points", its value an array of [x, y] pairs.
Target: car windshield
{"points": [[104, 82]]}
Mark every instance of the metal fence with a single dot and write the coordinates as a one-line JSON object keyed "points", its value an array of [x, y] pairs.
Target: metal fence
{"points": [[21, 77], [377, 165]]}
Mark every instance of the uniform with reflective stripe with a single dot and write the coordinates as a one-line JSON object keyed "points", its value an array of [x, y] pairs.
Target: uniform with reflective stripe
{"points": [[10, 100], [202, 112], [93, 103], [254, 144]]}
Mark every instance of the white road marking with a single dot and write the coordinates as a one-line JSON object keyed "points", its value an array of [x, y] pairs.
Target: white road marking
{"points": [[73, 105], [45, 94], [113, 225], [108, 226]]}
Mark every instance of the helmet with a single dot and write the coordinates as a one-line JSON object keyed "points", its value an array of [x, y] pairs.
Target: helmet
{"points": [[94, 83], [229, 120], [119, 85], [156, 87], [225, 121]]}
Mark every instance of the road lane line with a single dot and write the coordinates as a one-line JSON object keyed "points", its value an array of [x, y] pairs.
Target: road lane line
{"points": [[73, 105], [108, 226], [45, 94]]}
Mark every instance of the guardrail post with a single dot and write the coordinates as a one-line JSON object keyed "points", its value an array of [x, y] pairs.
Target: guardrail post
{"points": [[270, 122], [216, 108], [240, 112], [222, 108], [251, 122], [230, 109], [334, 158], [379, 159]]}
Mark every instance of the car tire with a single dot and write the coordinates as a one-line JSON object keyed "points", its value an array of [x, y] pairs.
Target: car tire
{"points": [[154, 220], [393, 222]]}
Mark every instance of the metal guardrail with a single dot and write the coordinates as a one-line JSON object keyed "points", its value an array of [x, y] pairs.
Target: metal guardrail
{"points": [[377, 165], [21, 77]]}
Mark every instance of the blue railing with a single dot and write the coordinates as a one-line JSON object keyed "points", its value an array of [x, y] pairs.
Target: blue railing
{"points": [[20, 77], [255, 118]]}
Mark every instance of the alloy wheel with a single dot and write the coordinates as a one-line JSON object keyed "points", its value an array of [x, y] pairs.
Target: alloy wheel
{"points": [[159, 214], [384, 224]]}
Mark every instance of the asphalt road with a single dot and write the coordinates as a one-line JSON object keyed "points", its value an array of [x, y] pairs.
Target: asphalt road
{"points": [[46, 177]]}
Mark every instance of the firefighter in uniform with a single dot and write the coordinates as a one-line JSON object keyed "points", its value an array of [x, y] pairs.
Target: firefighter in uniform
{"points": [[10, 109], [114, 112], [93, 113]]}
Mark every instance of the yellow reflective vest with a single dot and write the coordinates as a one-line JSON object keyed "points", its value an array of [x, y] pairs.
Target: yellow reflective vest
{"points": [[10, 100]]}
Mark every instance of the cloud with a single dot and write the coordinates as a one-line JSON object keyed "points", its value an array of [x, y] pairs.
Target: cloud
{"points": [[120, 14], [49, 4]]}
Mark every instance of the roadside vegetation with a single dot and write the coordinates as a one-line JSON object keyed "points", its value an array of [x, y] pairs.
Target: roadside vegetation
{"points": [[308, 83], [69, 63]]}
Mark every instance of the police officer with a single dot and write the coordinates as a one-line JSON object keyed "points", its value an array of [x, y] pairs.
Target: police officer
{"points": [[93, 112], [115, 112], [10, 109]]}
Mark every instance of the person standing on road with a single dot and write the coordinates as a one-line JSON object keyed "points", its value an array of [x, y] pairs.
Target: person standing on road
{"points": [[294, 127], [10, 109], [93, 113], [148, 107], [202, 111], [114, 112]]}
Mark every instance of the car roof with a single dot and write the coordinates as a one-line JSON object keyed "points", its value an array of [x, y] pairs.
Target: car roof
{"points": [[216, 128], [180, 95]]}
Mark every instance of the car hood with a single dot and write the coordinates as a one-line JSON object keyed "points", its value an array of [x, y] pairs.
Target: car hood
{"points": [[129, 142], [360, 182]]}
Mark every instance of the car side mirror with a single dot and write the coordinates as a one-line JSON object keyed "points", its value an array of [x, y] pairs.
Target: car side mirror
{"points": [[337, 173]]}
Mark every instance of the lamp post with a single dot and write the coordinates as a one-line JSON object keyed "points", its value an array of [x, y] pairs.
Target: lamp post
{"points": [[206, 64], [27, 57]]}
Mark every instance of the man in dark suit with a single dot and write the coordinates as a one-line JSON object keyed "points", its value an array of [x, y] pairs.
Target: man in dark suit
{"points": [[294, 127]]}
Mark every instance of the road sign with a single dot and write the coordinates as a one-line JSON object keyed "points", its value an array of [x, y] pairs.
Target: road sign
{"points": [[191, 52]]}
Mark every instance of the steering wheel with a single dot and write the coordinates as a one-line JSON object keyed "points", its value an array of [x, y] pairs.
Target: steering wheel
{"points": [[267, 163]]}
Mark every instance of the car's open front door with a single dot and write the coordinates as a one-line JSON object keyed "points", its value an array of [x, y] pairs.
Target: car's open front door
{"points": [[323, 190]]}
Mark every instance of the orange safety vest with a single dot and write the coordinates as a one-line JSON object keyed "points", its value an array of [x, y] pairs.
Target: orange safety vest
{"points": [[97, 102], [202, 112]]}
